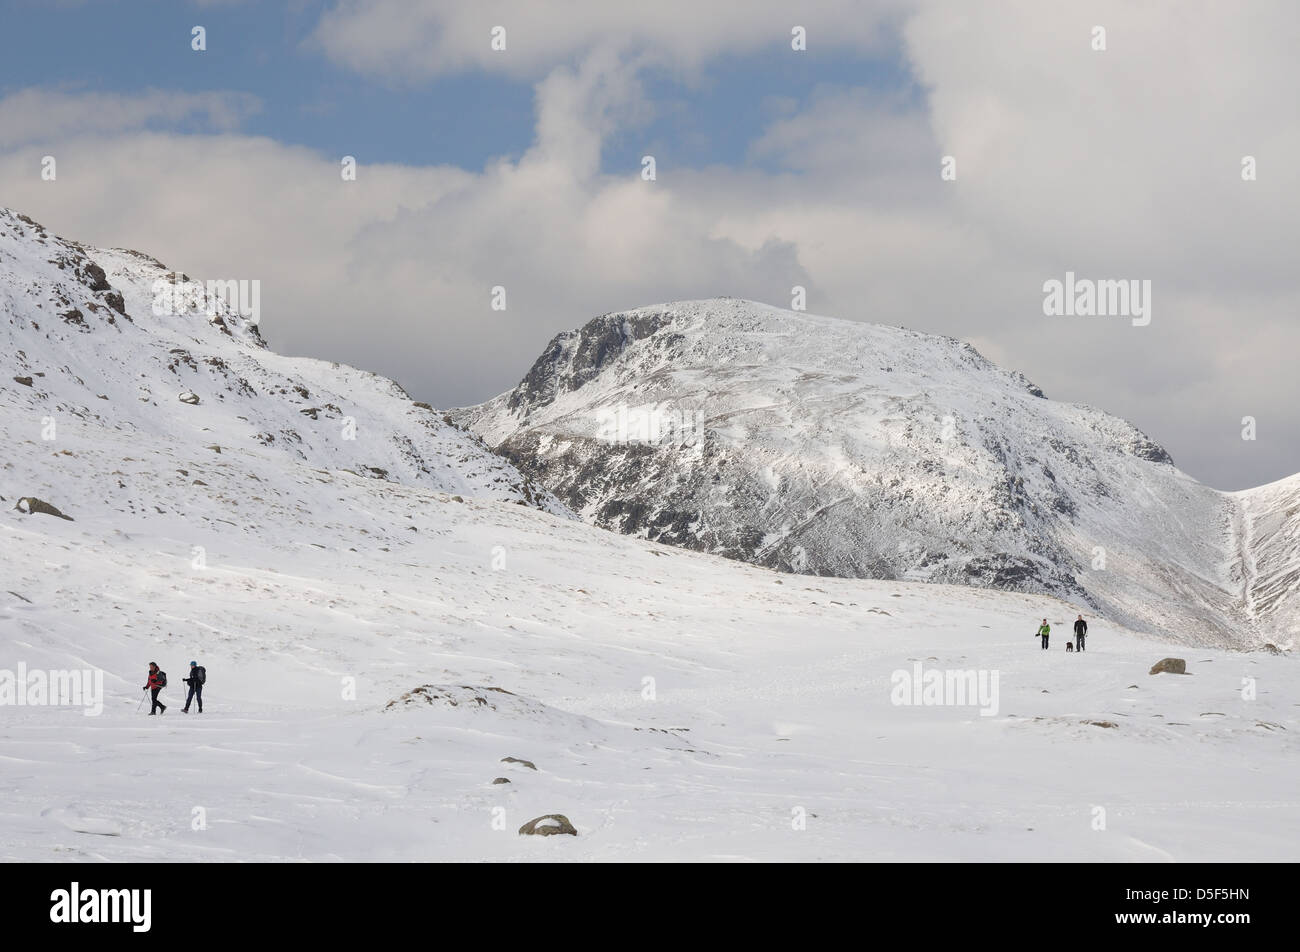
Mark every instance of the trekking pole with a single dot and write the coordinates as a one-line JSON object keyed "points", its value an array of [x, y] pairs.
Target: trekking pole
{"points": [[142, 697]]}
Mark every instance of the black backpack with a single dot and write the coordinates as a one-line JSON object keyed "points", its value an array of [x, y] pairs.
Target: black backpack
{"points": [[202, 674], [161, 678]]}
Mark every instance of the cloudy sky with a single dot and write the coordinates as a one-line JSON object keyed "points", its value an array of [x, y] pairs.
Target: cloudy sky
{"points": [[775, 167]]}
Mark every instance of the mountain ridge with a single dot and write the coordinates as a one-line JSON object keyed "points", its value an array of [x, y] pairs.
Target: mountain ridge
{"points": [[823, 446], [83, 345]]}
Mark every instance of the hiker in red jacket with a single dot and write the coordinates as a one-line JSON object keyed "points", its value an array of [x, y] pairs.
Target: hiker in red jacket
{"points": [[157, 681]]}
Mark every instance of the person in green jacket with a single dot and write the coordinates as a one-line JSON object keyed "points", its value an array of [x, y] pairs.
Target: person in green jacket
{"points": [[1044, 630]]}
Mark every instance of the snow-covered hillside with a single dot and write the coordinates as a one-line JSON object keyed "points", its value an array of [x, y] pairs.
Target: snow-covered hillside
{"points": [[770, 705], [377, 648], [830, 447], [83, 351], [1268, 536], [766, 731]]}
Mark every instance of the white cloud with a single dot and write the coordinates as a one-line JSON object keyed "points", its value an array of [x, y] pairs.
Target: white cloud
{"points": [[37, 114], [416, 39], [1132, 154]]}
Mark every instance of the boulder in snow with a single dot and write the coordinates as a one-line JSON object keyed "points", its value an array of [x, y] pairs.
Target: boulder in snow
{"points": [[30, 504], [1169, 666], [548, 825]]}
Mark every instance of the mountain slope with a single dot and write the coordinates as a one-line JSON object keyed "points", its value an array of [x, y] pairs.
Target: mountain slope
{"points": [[377, 648], [81, 347], [829, 447], [1268, 528], [676, 705]]}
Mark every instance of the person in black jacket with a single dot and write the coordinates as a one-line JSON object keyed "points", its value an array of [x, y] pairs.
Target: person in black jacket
{"points": [[1080, 632], [197, 676]]}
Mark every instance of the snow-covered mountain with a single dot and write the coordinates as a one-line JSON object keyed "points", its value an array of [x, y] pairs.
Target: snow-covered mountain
{"points": [[84, 348], [414, 667], [830, 447]]}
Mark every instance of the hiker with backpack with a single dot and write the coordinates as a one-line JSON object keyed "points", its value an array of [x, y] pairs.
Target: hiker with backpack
{"points": [[1043, 631], [198, 677], [1080, 632], [157, 681]]}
